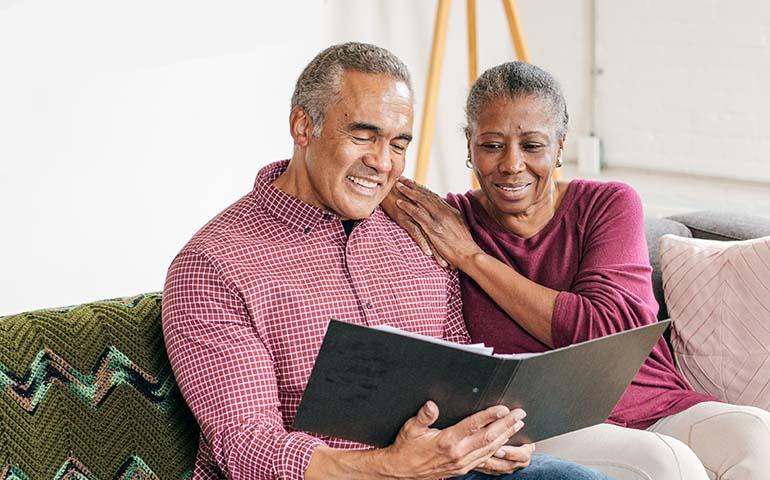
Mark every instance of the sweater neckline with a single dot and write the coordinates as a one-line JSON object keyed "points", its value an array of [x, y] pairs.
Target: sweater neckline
{"points": [[491, 225]]}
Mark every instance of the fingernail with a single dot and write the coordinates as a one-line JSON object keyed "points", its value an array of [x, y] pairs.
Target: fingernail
{"points": [[500, 454], [518, 425], [399, 202], [521, 414]]}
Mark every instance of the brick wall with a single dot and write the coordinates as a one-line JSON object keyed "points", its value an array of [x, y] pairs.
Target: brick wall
{"points": [[684, 86]]}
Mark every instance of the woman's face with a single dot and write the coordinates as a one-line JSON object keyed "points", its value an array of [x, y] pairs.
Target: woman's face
{"points": [[514, 147]]}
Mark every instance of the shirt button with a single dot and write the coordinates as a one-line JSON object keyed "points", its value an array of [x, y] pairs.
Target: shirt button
{"points": [[306, 230], [369, 305]]}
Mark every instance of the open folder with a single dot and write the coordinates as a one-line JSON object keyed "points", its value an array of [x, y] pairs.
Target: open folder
{"points": [[367, 381]]}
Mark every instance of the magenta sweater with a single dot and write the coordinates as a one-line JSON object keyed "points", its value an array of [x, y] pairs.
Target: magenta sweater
{"points": [[594, 252]]}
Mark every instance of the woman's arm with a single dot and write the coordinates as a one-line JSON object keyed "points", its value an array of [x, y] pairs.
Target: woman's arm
{"points": [[611, 291], [529, 303]]}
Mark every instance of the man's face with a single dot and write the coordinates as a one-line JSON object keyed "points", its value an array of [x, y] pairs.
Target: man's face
{"points": [[360, 152]]}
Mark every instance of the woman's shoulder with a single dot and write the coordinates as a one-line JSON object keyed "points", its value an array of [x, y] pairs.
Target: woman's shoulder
{"points": [[593, 194]]}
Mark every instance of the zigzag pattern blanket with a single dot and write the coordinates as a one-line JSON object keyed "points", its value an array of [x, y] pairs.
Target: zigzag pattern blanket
{"points": [[87, 393]]}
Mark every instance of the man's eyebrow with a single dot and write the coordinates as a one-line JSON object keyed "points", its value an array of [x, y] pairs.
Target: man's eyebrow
{"points": [[364, 126], [375, 129]]}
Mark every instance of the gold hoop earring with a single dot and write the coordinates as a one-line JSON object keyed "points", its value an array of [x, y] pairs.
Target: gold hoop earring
{"points": [[468, 163], [558, 163]]}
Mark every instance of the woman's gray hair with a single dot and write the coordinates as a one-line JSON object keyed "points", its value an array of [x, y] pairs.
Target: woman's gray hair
{"points": [[319, 84], [512, 80]]}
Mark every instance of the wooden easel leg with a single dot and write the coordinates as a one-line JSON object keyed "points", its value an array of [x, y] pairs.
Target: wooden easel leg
{"points": [[431, 91], [473, 68], [517, 36], [473, 64]]}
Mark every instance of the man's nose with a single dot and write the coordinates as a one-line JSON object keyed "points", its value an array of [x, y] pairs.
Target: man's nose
{"points": [[378, 157]]}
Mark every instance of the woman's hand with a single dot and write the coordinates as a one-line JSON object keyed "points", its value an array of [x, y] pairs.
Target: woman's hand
{"points": [[404, 221], [442, 224]]}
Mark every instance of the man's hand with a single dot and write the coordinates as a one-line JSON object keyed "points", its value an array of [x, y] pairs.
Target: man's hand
{"points": [[476, 442], [508, 459]]}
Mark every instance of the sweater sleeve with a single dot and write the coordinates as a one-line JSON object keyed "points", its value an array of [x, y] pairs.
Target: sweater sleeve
{"points": [[226, 374], [612, 290]]}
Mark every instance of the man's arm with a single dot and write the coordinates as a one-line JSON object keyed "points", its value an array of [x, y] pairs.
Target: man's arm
{"points": [[227, 376]]}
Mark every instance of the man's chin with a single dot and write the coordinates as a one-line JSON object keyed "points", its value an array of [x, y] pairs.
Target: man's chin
{"points": [[358, 213]]}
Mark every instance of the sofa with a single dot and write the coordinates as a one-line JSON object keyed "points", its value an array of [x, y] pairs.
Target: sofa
{"points": [[88, 392]]}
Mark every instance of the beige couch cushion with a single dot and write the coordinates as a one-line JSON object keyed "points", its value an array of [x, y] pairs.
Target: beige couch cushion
{"points": [[718, 296]]}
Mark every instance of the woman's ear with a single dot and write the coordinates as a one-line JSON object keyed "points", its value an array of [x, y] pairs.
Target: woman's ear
{"points": [[300, 126]]}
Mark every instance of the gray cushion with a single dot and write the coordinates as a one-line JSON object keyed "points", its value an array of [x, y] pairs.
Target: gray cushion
{"points": [[715, 225], [654, 228]]}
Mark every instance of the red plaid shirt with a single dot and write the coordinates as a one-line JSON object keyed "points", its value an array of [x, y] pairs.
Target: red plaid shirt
{"points": [[247, 302]]}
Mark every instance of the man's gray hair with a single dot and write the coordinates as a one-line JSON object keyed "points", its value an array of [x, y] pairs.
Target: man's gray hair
{"points": [[319, 84], [512, 80]]}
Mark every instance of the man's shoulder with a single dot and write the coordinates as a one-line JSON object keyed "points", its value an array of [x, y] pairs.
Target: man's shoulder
{"points": [[398, 246], [242, 225]]}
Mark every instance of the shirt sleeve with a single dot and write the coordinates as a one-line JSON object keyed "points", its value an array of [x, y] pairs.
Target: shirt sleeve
{"points": [[454, 328], [226, 374], [612, 290]]}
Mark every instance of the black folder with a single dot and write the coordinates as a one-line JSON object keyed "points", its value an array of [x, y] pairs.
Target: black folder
{"points": [[367, 382]]}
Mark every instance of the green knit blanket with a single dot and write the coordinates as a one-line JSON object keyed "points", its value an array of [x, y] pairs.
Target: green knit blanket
{"points": [[87, 393]]}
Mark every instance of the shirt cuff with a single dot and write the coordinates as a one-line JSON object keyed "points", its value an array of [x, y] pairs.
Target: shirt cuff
{"points": [[292, 455], [561, 330]]}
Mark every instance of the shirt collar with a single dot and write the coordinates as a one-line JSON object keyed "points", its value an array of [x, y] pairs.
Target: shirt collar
{"points": [[292, 211]]}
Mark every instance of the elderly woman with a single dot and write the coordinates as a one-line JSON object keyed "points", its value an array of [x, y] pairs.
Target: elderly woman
{"points": [[546, 264]]}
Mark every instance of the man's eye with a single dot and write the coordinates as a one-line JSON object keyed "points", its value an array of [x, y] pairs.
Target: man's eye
{"points": [[398, 148], [362, 139]]}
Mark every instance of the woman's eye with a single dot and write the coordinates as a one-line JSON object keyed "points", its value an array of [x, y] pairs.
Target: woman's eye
{"points": [[492, 146], [532, 146]]}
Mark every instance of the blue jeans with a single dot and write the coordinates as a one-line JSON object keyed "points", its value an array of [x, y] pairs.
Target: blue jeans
{"points": [[543, 467]]}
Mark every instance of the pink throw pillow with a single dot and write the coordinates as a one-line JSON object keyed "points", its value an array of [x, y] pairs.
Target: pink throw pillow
{"points": [[718, 297]]}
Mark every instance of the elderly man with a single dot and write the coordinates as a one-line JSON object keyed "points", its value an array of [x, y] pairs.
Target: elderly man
{"points": [[248, 299]]}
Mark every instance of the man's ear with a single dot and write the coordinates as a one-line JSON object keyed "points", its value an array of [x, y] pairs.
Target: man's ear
{"points": [[300, 126]]}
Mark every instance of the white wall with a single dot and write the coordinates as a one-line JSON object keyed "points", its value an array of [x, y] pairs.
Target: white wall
{"points": [[685, 86], [124, 126]]}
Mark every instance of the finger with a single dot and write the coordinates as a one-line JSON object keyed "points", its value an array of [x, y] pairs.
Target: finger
{"points": [[440, 260], [476, 422], [418, 214], [422, 197], [421, 422], [486, 441], [484, 454], [497, 466], [419, 237], [427, 414], [415, 186], [515, 454]]}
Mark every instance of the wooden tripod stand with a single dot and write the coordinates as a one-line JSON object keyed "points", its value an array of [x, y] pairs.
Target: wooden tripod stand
{"points": [[437, 57]]}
